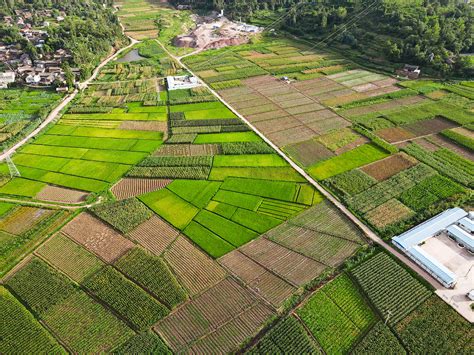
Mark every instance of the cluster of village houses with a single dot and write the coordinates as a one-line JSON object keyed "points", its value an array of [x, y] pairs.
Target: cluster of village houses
{"points": [[46, 71]]}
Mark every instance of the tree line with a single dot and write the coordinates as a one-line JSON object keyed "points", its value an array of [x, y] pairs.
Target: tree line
{"points": [[432, 33]]}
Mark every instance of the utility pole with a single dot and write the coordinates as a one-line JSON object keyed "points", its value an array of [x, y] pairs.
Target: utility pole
{"points": [[14, 172]]}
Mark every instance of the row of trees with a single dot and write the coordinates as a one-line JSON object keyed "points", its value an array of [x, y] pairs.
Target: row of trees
{"points": [[426, 32], [89, 30]]}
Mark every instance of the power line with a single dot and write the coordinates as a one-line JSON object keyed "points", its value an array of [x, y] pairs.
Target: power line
{"points": [[348, 25]]}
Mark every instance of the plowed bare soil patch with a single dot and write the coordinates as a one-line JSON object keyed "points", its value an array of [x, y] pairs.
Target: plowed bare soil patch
{"points": [[97, 237], [195, 269], [395, 134], [154, 234], [127, 188], [308, 152], [383, 169], [272, 288], [290, 136], [432, 126], [60, 194], [278, 124]]}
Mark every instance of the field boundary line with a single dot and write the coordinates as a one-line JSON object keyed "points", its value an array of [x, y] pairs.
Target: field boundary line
{"points": [[367, 231]]}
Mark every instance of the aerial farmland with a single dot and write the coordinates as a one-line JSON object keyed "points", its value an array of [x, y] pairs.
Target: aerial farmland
{"points": [[250, 211]]}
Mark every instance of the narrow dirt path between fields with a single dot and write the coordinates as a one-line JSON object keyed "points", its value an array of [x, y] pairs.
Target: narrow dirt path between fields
{"points": [[50, 205], [367, 231]]}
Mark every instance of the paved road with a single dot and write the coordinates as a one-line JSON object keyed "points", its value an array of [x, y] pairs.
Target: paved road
{"points": [[55, 112], [368, 232]]}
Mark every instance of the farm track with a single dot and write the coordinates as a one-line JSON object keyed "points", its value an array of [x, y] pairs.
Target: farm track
{"points": [[50, 205], [367, 231]]}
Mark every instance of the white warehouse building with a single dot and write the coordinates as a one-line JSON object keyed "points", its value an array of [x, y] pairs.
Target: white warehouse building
{"points": [[455, 223]]}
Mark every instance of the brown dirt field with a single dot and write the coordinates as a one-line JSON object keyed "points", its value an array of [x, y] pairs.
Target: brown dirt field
{"points": [[195, 269], [431, 126], [308, 152], [315, 116], [23, 219], [383, 169], [244, 97], [394, 134], [97, 237], [264, 283], [334, 101], [227, 338], [267, 115], [294, 135], [305, 108], [269, 107], [382, 91], [338, 94], [250, 103], [292, 96], [60, 194], [205, 314], [278, 124], [295, 102], [289, 265], [187, 150], [127, 188], [141, 35], [154, 234], [388, 213], [365, 87], [144, 126]]}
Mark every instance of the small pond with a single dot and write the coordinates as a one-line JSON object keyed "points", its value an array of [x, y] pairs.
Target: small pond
{"points": [[132, 56]]}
